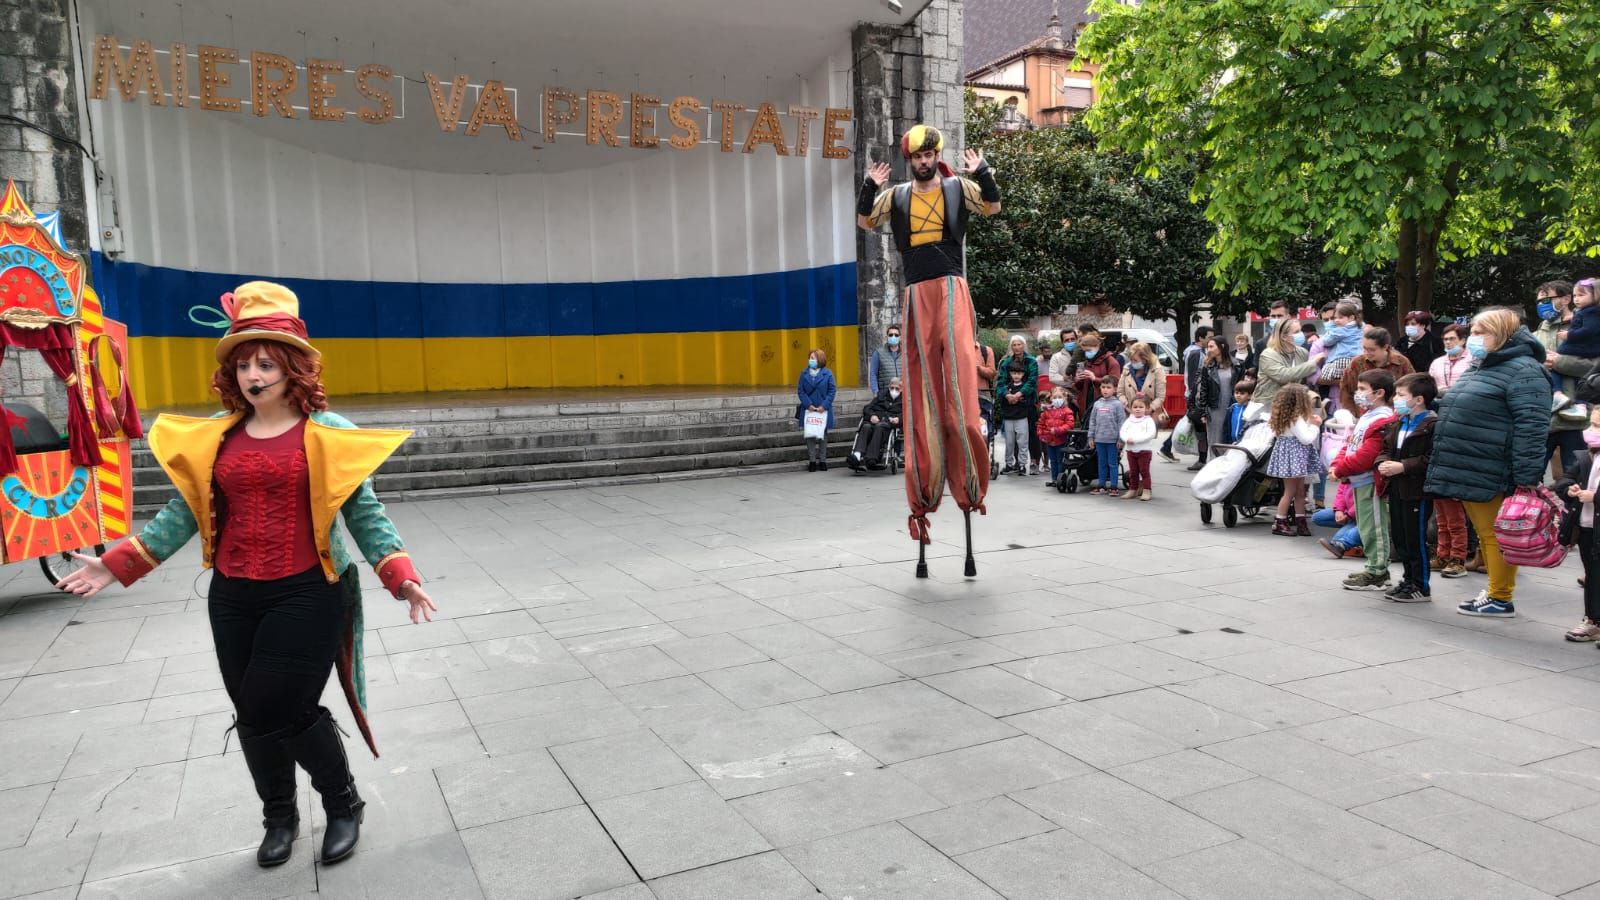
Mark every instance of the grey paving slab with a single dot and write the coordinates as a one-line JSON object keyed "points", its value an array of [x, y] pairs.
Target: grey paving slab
{"points": [[974, 826], [44, 866], [621, 764], [1126, 822], [82, 645], [1315, 770], [1314, 834], [674, 829], [1051, 639], [1180, 774], [1281, 664], [674, 700], [575, 857], [1074, 675], [130, 747], [436, 866], [1059, 865], [504, 787], [1355, 734], [887, 862], [765, 875], [716, 651], [1187, 722], [109, 801], [19, 810], [989, 770], [1523, 791], [1096, 737], [1522, 850], [845, 802], [163, 844], [1503, 740], [198, 879], [634, 665], [1240, 869], [841, 670], [761, 684], [1437, 875], [81, 688], [1365, 690], [785, 640], [949, 657], [924, 734], [845, 709]]}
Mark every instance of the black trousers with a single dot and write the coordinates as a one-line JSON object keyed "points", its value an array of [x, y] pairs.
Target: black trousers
{"points": [[276, 642], [870, 440], [1591, 573], [1408, 529]]}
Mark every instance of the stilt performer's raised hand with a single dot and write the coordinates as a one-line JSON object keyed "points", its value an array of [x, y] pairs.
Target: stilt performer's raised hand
{"points": [[928, 216]]}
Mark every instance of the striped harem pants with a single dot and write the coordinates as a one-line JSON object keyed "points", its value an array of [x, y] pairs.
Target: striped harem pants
{"points": [[943, 438]]}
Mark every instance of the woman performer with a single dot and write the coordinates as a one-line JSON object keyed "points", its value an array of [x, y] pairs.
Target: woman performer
{"points": [[262, 484]]}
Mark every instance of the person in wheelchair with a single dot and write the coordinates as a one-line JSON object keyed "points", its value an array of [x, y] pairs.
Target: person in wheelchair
{"points": [[878, 421]]}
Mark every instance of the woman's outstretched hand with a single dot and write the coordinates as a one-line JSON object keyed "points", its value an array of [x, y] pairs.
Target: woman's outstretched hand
{"points": [[422, 606], [87, 581]]}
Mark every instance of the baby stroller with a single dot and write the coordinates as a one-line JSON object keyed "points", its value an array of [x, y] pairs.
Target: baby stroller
{"points": [[1236, 477], [992, 436], [1078, 463], [892, 457]]}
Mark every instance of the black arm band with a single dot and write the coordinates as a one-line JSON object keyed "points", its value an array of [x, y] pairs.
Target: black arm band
{"points": [[990, 190], [867, 197]]}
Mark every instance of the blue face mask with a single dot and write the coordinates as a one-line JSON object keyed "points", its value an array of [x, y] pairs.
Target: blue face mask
{"points": [[1069, 346], [1453, 352], [1089, 354], [1414, 332], [1300, 339], [1401, 407], [1546, 310], [894, 340], [811, 363], [1476, 348], [1135, 365]]}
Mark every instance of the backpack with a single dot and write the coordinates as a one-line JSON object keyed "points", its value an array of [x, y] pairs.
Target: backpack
{"points": [[1529, 528]]}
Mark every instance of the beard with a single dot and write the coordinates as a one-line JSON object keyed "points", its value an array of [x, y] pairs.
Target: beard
{"points": [[923, 173]]}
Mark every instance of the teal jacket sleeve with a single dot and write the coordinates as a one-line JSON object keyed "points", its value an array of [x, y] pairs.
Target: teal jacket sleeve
{"points": [[161, 537]]}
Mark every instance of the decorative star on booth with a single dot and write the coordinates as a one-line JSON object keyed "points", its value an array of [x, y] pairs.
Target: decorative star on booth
{"points": [[15, 421]]}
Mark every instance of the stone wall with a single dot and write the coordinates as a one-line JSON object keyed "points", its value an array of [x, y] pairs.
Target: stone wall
{"points": [[37, 78], [902, 76]]}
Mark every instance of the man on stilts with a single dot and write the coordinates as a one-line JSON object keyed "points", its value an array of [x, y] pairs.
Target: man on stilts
{"points": [[928, 217]]}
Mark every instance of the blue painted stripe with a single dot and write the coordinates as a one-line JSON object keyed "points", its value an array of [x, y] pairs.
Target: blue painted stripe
{"points": [[154, 301]]}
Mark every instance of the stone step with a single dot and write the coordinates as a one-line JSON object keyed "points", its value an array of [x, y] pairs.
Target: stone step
{"points": [[593, 441], [398, 480]]}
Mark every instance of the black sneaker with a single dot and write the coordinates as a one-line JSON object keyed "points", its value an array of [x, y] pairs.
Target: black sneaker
{"points": [[1167, 455], [1407, 592], [1198, 465]]}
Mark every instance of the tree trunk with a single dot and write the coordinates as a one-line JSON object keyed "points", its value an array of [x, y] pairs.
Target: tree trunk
{"points": [[1184, 313], [1427, 265], [1405, 270]]}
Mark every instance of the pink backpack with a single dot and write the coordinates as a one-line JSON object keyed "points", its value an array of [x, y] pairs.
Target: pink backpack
{"points": [[1529, 528]]}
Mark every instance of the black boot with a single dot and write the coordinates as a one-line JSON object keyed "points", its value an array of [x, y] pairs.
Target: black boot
{"points": [[272, 769], [320, 751]]}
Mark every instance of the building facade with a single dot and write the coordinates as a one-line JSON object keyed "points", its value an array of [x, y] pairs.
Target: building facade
{"points": [[562, 194], [1024, 58]]}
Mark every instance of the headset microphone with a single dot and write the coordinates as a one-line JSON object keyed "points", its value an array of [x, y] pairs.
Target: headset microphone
{"points": [[255, 390]]}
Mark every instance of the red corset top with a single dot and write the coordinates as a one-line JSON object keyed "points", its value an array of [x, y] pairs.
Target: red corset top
{"points": [[264, 506]]}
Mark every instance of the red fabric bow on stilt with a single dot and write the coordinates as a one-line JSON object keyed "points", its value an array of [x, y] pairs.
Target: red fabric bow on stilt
{"points": [[918, 526]]}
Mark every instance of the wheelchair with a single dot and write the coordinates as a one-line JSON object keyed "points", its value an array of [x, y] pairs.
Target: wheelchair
{"points": [[892, 458]]}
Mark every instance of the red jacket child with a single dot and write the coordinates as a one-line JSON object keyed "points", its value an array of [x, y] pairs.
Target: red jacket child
{"points": [[1054, 423], [1359, 460]]}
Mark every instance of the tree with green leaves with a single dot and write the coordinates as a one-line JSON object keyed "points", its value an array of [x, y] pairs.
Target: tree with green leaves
{"points": [[1084, 225], [1390, 132]]}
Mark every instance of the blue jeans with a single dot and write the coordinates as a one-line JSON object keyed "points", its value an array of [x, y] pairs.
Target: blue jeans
{"points": [[1054, 455], [1105, 453], [1347, 536], [1571, 445]]}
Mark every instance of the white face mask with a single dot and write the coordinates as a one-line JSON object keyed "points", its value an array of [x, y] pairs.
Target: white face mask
{"points": [[1363, 399], [894, 394], [1058, 402]]}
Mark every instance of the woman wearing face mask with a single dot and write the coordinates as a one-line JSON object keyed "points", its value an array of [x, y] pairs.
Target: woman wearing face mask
{"points": [[1244, 356], [1145, 375], [1578, 487], [1215, 387], [1491, 439], [1283, 361], [816, 389], [1097, 364], [1453, 361], [1419, 343]]}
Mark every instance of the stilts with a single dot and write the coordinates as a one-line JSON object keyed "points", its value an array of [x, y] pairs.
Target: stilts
{"points": [[922, 559], [972, 565]]}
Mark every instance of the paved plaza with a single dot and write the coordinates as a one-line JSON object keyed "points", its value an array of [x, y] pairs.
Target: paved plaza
{"points": [[734, 688]]}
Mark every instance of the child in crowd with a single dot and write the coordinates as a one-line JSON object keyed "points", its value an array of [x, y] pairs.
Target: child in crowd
{"points": [[1296, 426], [1244, 354], [1357, 463], [1241, 401], [1346, 541], [1577, 486], [1138, 436], [1016, 407], [1105, 429], [1581, 339], [1342, 341], [1403, 463], [1054, 423]]}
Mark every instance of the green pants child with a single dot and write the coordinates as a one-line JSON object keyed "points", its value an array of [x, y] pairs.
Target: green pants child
{"points": [[1372, 520]]}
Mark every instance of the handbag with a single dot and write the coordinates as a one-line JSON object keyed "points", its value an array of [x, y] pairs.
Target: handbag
{"points": [[816, 424], [1528, 528]]}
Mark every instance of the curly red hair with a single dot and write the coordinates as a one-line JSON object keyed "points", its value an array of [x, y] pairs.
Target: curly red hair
{"points": [[302, 376]]}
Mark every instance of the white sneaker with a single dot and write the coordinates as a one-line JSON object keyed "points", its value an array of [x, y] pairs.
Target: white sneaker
{"points": [[1558, 401], [1576, 412]]}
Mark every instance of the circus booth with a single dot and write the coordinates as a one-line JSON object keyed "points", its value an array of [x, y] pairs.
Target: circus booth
{"points": [[61, 492]]}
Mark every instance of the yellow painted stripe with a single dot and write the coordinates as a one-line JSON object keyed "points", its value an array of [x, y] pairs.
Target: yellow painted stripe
{"points": [[111, 478], [177, 371], [110, 502]]}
